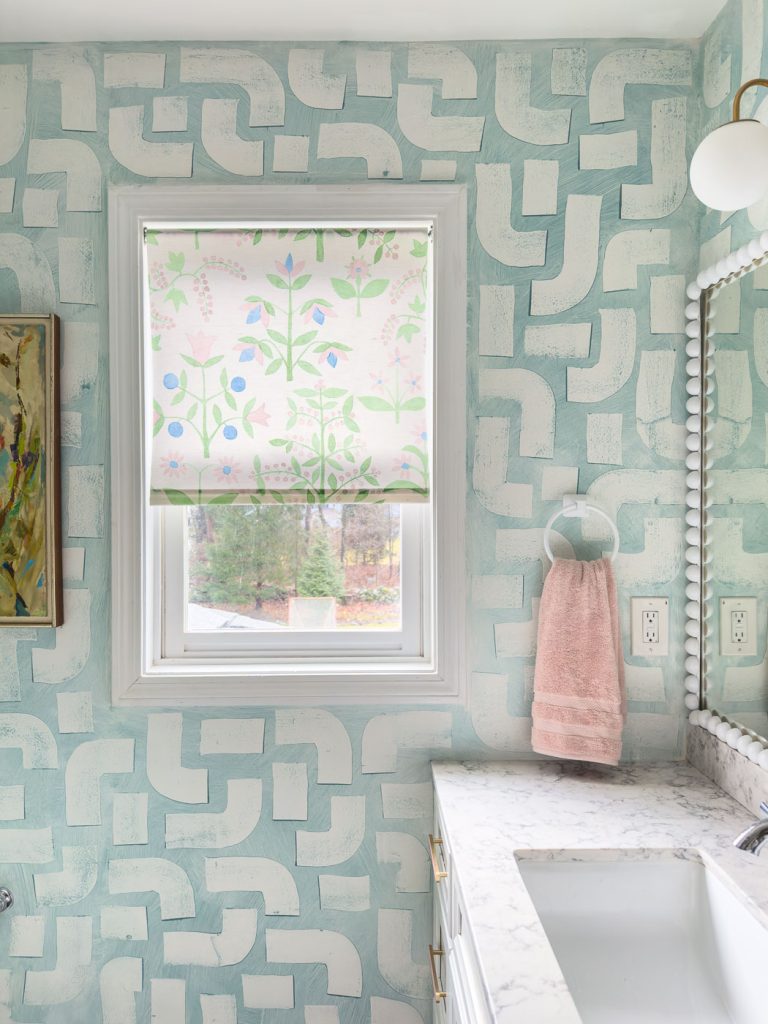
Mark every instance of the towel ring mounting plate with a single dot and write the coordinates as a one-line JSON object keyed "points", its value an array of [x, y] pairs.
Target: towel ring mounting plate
{"points": [[575, 507]]}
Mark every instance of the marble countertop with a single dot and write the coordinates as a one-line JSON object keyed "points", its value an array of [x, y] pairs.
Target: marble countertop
{"points": [[493, 809]]}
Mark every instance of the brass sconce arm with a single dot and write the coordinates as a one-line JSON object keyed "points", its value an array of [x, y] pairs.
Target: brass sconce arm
{"points": [[740, 92]]}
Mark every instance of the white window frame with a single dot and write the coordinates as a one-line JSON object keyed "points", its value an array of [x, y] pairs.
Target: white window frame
{"points": [[142, 674]]}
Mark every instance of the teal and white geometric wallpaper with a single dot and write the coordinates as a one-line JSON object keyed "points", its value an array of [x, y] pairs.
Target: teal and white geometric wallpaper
{"points": [[259, 865]]}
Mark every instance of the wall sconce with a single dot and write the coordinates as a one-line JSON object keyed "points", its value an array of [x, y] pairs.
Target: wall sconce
{"points": [[729, 170]]}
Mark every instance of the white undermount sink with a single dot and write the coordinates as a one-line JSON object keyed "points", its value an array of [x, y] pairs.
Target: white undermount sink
{"points": [[652, 937]]}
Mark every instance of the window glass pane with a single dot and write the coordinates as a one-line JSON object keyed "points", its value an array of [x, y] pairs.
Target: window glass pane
{"points": [[292, 567]]}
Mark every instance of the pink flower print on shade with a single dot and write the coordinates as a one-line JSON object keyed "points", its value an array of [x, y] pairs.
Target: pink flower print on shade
{"points": [[255, 313], [377, 381], [397, 359], [318, 314], [358, 268], [158, 276], [413, 382], [289, 267], [249, 352], [227, 472], [172, 464], [332, 357], [201, 345], [402, 466], [162, 322], [260, 415]]}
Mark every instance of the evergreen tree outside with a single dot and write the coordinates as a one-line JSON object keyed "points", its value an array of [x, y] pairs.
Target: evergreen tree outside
{"points": [[321, 574], [253, 554]]}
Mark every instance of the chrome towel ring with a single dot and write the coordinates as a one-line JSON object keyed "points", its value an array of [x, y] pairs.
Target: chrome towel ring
{"points": [[575, 507]]}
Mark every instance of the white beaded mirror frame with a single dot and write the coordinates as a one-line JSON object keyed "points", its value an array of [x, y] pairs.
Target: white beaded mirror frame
{"points": [[700, 386]]}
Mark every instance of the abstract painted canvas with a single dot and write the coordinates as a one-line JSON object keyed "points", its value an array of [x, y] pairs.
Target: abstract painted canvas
{"points": [[30, 533]]}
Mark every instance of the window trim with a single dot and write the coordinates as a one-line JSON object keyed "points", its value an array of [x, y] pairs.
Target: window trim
{"points": [[139, 678]]}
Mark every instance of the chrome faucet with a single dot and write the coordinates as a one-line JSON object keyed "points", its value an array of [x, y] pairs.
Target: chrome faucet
{"points": [[754, 838]]}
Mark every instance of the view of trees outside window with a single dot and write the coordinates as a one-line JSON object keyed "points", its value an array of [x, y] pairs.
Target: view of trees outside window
{"points": [[282, 566]]}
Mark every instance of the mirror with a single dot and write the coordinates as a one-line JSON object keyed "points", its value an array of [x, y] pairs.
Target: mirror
{"points": [[734, 496]]}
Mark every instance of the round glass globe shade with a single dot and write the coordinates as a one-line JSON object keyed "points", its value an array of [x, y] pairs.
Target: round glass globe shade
{"points": [[729, 170]]}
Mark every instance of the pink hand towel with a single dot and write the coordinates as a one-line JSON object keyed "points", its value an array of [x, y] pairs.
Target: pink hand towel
{"points": [[579, 704]]}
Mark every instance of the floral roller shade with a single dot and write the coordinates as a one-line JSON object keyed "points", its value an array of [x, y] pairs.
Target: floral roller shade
{"points": [[289, 365]]}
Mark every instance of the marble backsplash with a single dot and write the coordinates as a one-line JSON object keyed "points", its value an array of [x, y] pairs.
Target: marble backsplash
{"points": [[727, 768]]}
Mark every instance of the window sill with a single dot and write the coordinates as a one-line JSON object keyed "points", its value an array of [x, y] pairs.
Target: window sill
{"points": [[211, 684]]}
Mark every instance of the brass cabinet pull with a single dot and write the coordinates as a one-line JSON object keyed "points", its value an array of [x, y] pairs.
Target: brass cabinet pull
{"points": [[439, 995], [438, 872]]}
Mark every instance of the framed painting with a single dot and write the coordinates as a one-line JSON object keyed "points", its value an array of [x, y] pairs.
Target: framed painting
{"points": [[30, 492]]}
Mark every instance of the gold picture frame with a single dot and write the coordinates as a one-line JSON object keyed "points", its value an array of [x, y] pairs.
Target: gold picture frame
{"points": [[30, 486]]}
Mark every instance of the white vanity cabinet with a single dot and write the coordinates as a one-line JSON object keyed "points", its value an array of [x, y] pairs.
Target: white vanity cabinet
{"points": [[458, 992]]}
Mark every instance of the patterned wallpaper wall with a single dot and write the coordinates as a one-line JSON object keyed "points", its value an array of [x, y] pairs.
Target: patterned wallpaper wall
{"points": [[732, 53], [270, 865]]}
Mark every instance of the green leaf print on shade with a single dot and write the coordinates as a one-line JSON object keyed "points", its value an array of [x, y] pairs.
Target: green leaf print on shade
{"points": [[176, 261], [376, 404], [396, 387], [343, 288], [354, 288], [319, 235], [204, 416], [413, 461], [170, 278], [383, 243], [407, 332], [407, 326], [177, 297], [374, 288], [177, 497], [323, 468], [159, 418]]}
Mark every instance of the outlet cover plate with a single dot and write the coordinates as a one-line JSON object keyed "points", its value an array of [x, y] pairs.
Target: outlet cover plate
{"points": [[729, 647], [641, 648]]}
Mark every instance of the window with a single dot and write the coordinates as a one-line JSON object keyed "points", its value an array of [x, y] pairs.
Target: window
{"points": [[288, 466], [337, 580]]}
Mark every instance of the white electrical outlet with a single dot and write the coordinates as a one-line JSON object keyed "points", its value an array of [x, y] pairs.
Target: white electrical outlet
{"points": [[650, 626], [738, 626]]}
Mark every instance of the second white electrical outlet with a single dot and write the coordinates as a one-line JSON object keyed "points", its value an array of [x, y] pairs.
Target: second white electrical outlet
{"points": [[738, 626], [650, 626]]}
